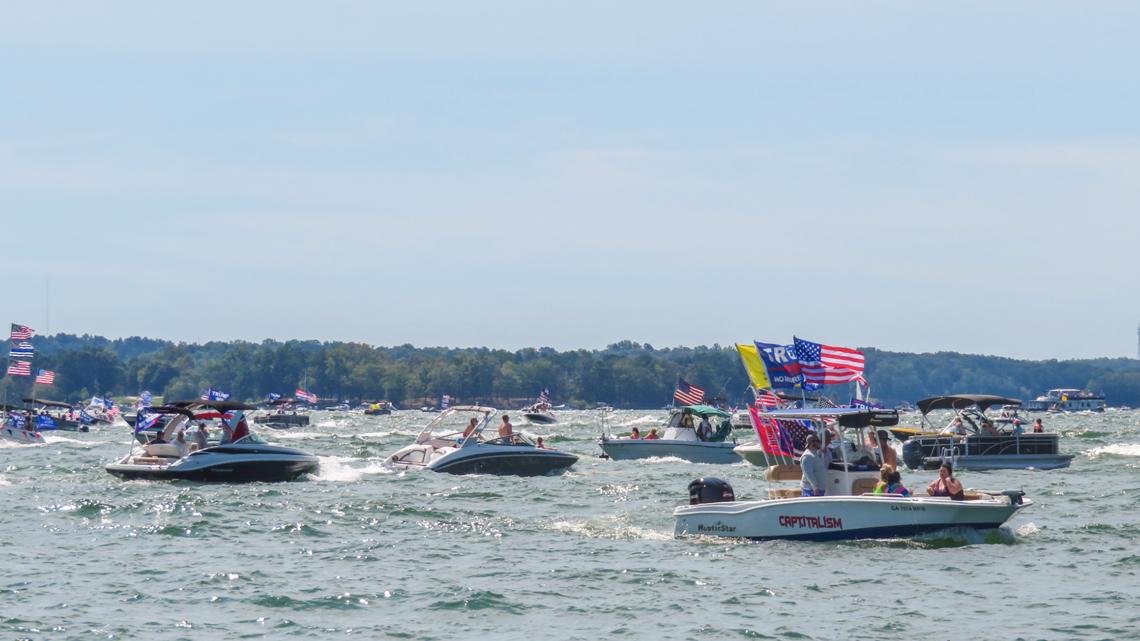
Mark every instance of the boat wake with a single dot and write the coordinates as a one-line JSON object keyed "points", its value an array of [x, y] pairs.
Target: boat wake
{"points": [[336, 469], [284, 435], [1121, 449], [961, 536], [664, 459], [644, 420], [53, 438], [595, 530]]}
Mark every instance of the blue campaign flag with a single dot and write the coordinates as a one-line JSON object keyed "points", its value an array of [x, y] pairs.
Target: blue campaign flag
{"points": [[273, 396], [214, 395], [85, 418], [146, 399], [18, 421], [867, 405], [45, 422], [144, 422], [782, 365]]}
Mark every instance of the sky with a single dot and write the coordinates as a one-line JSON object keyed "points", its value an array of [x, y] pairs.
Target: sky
{"points": [[909, 176]]}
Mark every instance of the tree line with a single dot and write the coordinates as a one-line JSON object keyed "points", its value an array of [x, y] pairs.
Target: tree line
{"points": [[624, 374]]}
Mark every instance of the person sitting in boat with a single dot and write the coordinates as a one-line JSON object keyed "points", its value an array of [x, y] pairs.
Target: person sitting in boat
{"points": [[704, 430], [955, 428], [157, 438], [1018, 430], [1038, 427], [635, 434], [652, 435], [506, 430], [988, 427], [946, 484], [687, 418], [890, 482], [814, 469], [539, 444]]}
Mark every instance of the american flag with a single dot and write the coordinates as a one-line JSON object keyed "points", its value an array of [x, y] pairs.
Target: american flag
{"points": [[21, 332], [444, 401], [20, 368], [828, 364], [766, 400], [308, 397], [22, 350], [44, 377], [688, 394], [796, 432], [544, 396]]}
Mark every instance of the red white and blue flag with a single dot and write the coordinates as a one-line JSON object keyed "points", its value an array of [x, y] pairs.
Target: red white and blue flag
{"points": [[45, 377], [828, 364], [22, 350], [766, 400], [21, 332], [308, 397], [688, 394], [544, 396], [774, 440], [19, 368]]}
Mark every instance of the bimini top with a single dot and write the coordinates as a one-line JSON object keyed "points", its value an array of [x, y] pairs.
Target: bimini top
{"points": [[962, 401], [221, 406], [40, 401], [847, 416], [706, 410]]}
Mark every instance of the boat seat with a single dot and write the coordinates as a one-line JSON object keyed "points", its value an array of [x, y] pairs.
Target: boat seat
{"points": [[863, 486], [784, 493], [784, 472]]}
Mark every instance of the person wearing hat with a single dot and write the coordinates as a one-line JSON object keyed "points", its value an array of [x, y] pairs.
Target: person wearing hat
{"points": [[813, 467]]}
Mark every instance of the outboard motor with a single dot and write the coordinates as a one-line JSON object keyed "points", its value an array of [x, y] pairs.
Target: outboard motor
{"points": [[710, 490], [1015, 496], [912, 454]]}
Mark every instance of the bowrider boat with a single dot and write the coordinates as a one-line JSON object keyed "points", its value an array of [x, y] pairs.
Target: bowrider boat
{"points": [[239, 456], [53, 415], [972, 440], [17, 427], [382, 408], [849, 510], [680, 439], [539, 414], [452, 452]]}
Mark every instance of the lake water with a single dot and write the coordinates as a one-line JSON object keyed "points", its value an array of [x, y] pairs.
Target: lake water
{"points": [[361, 552]]}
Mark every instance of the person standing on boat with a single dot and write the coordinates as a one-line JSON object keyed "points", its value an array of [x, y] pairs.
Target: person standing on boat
{"points": [[813, 467], [506, 430], [201, 436], [704, 430]]}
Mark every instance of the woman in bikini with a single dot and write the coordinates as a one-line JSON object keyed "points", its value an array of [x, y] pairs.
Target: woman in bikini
{"points": [[946, 484]]}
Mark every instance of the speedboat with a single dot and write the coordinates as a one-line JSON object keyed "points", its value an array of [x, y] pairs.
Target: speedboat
{"points": [[451, 452], [539, 414], [975, 443], [849, 510], [239, 456], [17, 427], [680, 439], [378, 409]]}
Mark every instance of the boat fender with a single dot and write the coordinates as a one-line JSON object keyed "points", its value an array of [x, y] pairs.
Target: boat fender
{"points": [[710, 490], [1014, 496]]}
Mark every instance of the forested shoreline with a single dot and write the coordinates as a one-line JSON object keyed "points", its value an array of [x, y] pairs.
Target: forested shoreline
{"points": [[625, 374]]}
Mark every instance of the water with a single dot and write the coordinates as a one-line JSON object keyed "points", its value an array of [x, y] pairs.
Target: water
{"points": [[363, 552]]}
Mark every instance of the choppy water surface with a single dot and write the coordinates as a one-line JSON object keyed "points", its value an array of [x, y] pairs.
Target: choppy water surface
{"points": [[362, 551]]}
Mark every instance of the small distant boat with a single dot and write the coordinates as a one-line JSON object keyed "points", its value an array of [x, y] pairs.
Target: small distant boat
{"points": [[378, 409], [241, 455], [283, 414], [1066, 399], [451, 452], [539, 414], [680, 439]]}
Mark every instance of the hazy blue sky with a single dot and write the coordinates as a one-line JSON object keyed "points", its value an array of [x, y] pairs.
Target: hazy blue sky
{"points": [[919, 177]]}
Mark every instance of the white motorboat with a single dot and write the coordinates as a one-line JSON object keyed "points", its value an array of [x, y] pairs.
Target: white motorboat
{"points": [[17, 427], [282, 414], [850, 510], [680, 439], [239, 456], [539, 414], [450, 451]]}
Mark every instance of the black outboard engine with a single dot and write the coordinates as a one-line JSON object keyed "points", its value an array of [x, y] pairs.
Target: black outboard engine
{"points": [[710, 490], [1015, 496], [912, 454]]}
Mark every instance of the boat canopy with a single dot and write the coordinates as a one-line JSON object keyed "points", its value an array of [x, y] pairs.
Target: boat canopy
{"points": [[40, 401], [846, 416], [221, 406], [706, 410], [171, 409], [963, 401]]}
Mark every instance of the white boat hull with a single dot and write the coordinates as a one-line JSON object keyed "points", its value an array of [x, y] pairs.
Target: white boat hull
{"points": [[18, 435], [692, 451], [842, 517]]}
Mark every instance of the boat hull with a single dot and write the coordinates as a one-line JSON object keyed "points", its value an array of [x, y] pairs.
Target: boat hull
{"points": [[379, 412], [842, 517], [539, 419], [507, 463], [692, 451], [18, 435], [986, 452], [225, 464], [282, 421]]}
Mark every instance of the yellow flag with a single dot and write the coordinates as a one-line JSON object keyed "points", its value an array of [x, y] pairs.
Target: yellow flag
{"points": [[750, 356]]}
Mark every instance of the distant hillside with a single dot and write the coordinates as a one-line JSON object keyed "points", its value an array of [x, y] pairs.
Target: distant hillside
{"points": [[625, 374]]}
